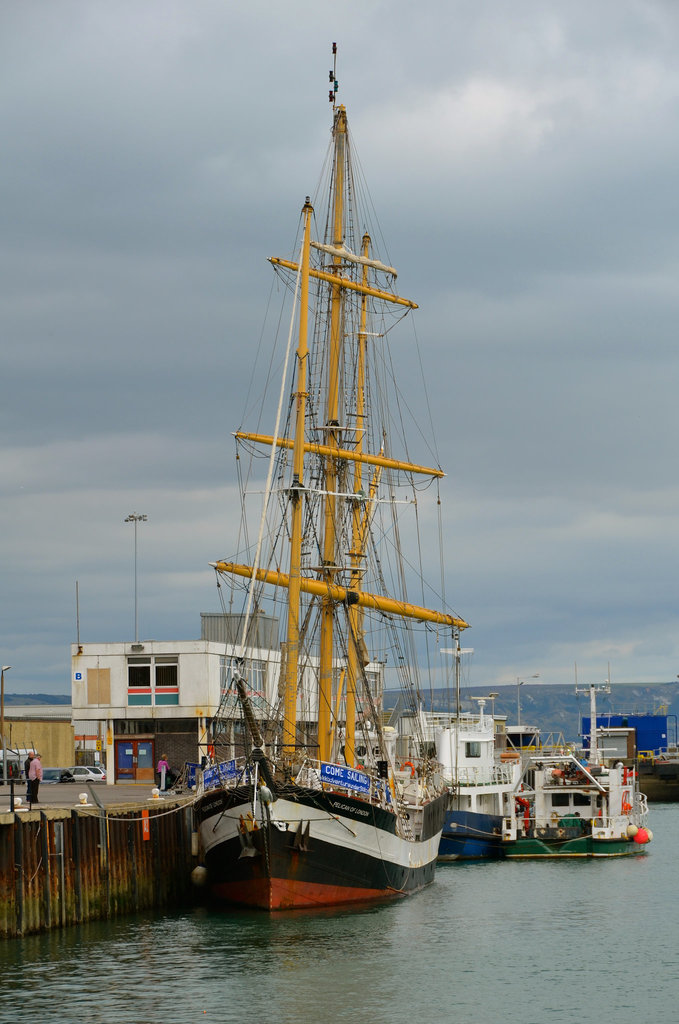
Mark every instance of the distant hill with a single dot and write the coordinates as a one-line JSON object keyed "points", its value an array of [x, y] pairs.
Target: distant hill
{"points": [[554, 708], [37, 698]]}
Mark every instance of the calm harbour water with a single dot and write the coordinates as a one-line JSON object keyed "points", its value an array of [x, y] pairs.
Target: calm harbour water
{"points": [[528, 942]]}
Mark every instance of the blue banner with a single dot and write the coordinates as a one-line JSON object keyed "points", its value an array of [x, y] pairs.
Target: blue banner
{"points": [[190, 768], [219, 773], [227, 770], [347, 778], [211, 777]]}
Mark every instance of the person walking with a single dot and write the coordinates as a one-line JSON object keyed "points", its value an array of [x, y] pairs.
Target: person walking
{"points": [[27, 768], [34, 775], [163, 771]]}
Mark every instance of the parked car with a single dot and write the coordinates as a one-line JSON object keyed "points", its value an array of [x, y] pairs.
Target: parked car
{"points": [[53, 775], [88, 773]]}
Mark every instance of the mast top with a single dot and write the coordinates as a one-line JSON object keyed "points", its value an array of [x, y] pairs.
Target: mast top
{"points": [[334, 85]]}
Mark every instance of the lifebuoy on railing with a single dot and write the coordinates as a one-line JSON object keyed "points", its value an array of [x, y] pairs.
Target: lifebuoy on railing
{"points": [[408, 764]]}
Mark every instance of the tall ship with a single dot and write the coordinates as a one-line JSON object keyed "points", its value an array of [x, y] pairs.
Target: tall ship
{"points": [[305, 803]]}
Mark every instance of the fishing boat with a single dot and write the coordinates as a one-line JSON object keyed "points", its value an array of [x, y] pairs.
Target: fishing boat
{"points": [[315, 809], [577, 806], [482, 776], [482, 781]]}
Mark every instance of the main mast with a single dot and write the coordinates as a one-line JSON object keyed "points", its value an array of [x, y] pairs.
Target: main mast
{"points": [[332, 427]]}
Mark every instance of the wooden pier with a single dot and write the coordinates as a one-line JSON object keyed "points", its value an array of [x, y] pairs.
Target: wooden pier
{"points": [[60, 867]]}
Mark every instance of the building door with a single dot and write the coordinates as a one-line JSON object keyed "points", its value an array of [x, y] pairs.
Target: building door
{"points": [[134, 760]]}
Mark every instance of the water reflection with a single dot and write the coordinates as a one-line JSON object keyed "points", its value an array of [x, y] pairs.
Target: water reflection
{"points": [[540, 942]]}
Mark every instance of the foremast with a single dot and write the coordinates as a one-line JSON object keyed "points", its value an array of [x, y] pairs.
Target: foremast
{"points": [[296, 491]]}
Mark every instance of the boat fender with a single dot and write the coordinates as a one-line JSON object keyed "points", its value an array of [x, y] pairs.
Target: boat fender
{"points": [[642, 836], [631, 831], [199, 875], [408, 764]]}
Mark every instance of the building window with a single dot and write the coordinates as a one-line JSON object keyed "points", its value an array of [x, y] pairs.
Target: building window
{"points": [[152, 681], [254, 673]]}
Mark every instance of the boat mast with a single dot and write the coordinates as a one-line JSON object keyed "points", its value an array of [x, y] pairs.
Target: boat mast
{"points": [[357, 540], [296, 502], [594, 755], [332, 440]]}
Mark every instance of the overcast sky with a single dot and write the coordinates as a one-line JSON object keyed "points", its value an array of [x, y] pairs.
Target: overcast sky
{"points": [[522, 158]]}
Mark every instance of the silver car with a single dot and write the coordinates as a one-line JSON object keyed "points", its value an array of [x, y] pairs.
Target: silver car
{"points": [[88, 773]]}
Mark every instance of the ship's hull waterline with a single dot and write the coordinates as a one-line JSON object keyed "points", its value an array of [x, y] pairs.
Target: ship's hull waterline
{"points": [[470, 835], [310, 848], [585, 846]]}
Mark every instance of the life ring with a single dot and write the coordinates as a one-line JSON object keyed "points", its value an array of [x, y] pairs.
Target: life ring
{"points": [[408, 764]]}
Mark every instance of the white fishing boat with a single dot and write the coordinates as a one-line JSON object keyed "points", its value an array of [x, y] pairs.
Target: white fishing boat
{"points": [[482, 774], [482, 781], [577, 806], [316, 810]]}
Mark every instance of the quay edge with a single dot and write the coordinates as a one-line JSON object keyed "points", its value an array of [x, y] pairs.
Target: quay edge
{"points": [[64, 866]]}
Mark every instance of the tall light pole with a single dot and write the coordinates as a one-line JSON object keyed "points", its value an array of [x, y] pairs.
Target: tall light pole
{"points": [[5, 668], [519, 684], [135, 518]]}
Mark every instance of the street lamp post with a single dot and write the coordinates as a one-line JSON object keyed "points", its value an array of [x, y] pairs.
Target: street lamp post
{"points": [[135, 518], [519, 684], [5, 668]]}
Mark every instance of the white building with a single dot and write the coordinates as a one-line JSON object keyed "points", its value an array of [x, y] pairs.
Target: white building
{"points": [[135, 702]]}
